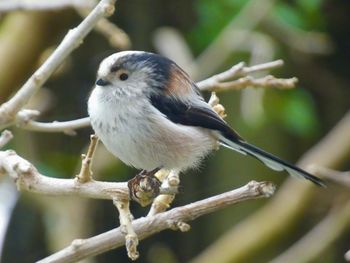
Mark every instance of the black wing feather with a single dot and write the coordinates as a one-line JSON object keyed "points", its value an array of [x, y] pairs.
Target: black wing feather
{"points": [[184, 113]]}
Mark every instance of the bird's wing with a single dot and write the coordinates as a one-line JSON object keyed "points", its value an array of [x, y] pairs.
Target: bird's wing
{"points": [[192, 113], [200, 114]]}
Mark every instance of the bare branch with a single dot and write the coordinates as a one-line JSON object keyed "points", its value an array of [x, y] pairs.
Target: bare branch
{"points": [[68, 127], [28, 178], [238, 70], [310, 42], [13, 5], [125, 218], [5, 137], [85, 174], [262, 67], [310, 246], [342, 178], [71, 41], [147, 226], [264, 82]]}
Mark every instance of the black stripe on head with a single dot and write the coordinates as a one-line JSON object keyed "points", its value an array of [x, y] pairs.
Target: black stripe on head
{"points": [[159, 66]]}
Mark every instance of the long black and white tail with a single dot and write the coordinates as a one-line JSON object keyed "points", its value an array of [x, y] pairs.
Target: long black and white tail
{"points": [[268, 159]]}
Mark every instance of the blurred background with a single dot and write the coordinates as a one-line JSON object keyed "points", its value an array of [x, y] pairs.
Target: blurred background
{"points": [[205, 37]]}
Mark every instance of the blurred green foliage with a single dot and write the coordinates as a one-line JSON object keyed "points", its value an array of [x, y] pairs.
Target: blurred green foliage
{"points": [[295, 110], [212, 16], [301, 14]]}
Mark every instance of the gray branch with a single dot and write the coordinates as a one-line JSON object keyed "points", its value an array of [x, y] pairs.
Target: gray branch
{"points": [[147, 226]]}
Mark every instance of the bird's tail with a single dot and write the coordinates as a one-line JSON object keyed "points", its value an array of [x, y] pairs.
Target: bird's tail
{"points": [[268, 159]]}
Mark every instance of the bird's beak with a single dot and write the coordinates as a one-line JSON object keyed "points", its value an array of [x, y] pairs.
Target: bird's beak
{"points": [[102, 82]]}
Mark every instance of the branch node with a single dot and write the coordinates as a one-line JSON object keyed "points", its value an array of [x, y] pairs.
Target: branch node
{"points": [[131, 243], [5, 137], [179, 225], [108, 9], [37, 78], [23, 168], [76, 243], [70, 132], [214, 102], [25, 115], [183, 227], [173, 180], [265, 189]]}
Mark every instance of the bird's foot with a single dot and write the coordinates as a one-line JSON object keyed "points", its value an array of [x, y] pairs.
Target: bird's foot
{"points": [[144, 187]]}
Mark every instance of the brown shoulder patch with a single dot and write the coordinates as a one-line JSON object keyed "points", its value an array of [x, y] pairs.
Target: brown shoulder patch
{"points": [[179, 83]]}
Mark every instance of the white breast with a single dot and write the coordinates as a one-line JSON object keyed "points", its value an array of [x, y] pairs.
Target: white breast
{"points": [[142, 137]]}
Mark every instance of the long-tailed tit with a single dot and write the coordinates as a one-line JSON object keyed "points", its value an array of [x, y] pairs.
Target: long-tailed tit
{"points": [[150, 114]]}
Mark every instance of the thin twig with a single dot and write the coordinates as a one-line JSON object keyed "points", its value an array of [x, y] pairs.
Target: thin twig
{"points": [[115, 35], [5, 137], [306, 41], [147, 226], [342, 178], [44, 5], [264, 82], [71, 41], [85, 174], [125, 218], [67, 127], [238, 70], [261, 67]]}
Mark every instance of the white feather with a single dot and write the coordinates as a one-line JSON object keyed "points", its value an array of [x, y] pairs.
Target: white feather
{"points": [[142, 137]]}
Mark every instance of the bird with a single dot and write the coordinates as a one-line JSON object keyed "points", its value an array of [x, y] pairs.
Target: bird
{"points": [[148, 112]]}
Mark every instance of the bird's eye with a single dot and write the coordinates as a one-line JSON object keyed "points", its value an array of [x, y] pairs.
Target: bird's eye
{"points": [[123, 76]]}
